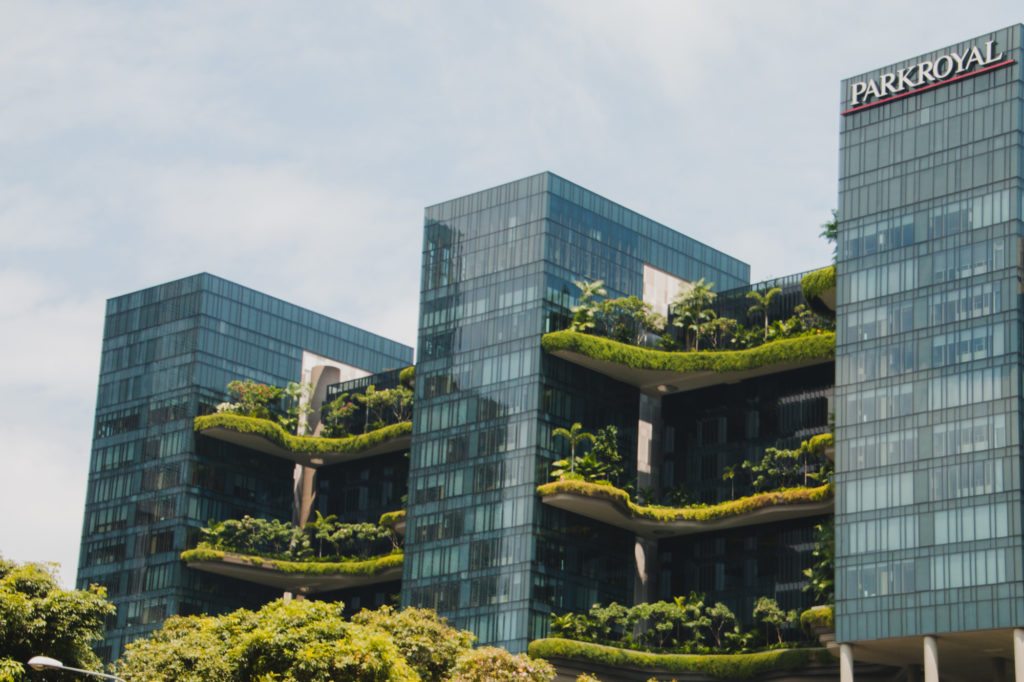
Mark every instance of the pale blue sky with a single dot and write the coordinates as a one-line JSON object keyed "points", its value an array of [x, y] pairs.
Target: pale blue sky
{"points": [[291, 147]]}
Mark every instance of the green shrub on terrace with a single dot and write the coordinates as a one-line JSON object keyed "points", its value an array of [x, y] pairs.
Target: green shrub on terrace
{"points": [[818, 617], [720, 666], [407, 376], [818, 444], [813, 346], [390, 519], [743, 505], [814, 284], [367, 567], [301, 444]]}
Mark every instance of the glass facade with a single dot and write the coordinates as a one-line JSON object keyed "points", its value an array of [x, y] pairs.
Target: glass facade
{"points": [[498, 271], [928, 411], [168, 354], [709, 429]]}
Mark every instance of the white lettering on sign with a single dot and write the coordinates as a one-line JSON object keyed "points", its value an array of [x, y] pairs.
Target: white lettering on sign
{"points": [[925, 74]]}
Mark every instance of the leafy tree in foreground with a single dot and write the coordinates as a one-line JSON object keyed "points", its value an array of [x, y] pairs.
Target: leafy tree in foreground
{"points": [[308, 641], [38, 618], [490, 664]]}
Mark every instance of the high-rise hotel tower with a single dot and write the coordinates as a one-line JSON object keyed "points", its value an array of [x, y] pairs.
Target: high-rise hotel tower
{"points": [[929, 488]]}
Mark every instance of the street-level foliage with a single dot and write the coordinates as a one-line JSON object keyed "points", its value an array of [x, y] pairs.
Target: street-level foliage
{"points": [[310, 641], [491, 664], [39, 618]]}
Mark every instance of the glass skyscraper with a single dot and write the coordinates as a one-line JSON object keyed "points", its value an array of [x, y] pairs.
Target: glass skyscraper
{"points": [[498, 272], [928, 421], [168, 354]]}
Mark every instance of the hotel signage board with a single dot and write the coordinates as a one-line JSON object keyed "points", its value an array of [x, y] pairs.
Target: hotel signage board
{"points": [[924, 75]]}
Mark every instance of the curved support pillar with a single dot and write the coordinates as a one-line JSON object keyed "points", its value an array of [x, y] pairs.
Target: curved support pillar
{"points": [[845, 663], [931, 659], [1018, 655]]}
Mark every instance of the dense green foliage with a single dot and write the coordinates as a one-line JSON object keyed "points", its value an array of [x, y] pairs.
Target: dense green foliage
{"points": [[719, 666], [366, 411], [310, 641], [366, 567], [818, 617], [684, 625], [390, 519], [430, 646], [407, 377], [810, 347], [743, 505], [814, 284], [491, 664], [323, 538], [297, 641], [251, 399], [821, 576], [301, 444], [37, 617]]}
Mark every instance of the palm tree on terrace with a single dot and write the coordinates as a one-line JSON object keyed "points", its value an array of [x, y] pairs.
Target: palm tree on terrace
{"points": [[576, 435], [762, 304]]}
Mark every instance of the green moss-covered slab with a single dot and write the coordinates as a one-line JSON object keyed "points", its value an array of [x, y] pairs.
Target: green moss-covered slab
{"points": [[822, 445], [611, 505], [304, 577], [267, 436], [819, 289], [818, 619], [660, 372], [395, 520], [695, 666]]}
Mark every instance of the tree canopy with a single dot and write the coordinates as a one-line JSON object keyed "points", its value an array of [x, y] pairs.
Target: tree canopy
{"points": [[39, 618], [311, 641]]}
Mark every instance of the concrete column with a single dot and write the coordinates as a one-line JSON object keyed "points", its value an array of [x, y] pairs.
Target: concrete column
{"points": [[845, 663], [646, 557], [931, 659], [648, 442], [1018, 655]]}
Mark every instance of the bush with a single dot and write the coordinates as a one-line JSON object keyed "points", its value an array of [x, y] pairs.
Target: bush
{"points": [[425, 639], [818, 617], [719, 666], [491, 664]]}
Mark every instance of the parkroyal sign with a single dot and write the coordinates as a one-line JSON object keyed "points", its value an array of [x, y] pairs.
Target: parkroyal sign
{"points": [[924, 75]]}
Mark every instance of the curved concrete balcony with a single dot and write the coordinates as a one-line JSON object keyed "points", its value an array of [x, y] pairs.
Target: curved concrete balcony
{"points": [[300, 577], [263, 435], [612, 506], [659, 373]]}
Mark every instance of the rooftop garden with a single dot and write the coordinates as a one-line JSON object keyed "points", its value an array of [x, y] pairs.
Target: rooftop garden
{"points": [[321, 539], [692, 324], [323, 547]]}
